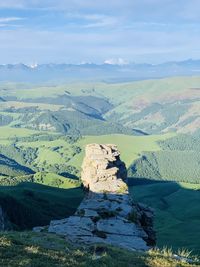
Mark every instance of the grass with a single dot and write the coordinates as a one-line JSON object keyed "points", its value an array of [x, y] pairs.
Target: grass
{"points": [[49, 153], [37, 204], [176, 213], [20, 105], [29, 249], [46, 144], [53, 152], [190, 186], [11, 133], [128, 99], [55, 180], [130, 146], [125, 90], [59, 151], [177, 208]]}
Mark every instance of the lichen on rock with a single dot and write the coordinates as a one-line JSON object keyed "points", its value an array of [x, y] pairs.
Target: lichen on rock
{"points": [[107, 214]]}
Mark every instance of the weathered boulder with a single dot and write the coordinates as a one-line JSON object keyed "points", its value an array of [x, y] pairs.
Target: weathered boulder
{"points": [[107, 214]]}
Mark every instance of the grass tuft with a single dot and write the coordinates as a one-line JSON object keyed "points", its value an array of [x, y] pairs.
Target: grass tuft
{"points": [[29, 249]]}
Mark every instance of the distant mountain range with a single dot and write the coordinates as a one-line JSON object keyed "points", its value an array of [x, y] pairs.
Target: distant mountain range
{"points": [[93, 72]]}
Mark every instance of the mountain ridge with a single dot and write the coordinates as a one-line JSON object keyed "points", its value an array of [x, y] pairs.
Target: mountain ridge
{"points": [[99, 72]]}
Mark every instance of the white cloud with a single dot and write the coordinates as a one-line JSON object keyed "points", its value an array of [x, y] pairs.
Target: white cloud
{"points": [[9, 19], [92, 30], [22, 45], [116, 61], [92, 20]]}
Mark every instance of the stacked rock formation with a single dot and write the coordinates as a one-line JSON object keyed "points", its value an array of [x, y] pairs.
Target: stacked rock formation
{"points": [[107, 214]]}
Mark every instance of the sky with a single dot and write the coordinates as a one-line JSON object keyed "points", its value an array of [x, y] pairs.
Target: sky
{"points": [[98, 31]]}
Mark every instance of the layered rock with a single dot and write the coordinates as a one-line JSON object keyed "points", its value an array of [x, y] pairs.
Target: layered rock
{"points": [[107, 214], [102, 169]]}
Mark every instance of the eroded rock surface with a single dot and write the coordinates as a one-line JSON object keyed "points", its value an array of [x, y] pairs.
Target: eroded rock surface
{"points": [[107, 214]]}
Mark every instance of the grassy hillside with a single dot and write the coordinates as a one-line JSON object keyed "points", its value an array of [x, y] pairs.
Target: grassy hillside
{"points": [[55, 180], [58, 154], [152, 106], [176, 212], [56, 158], [130, 146], [168, 165], [125, 90], [44, 178], [11, 133], [177, 160], [37, 204], [9, 167], [39, 151], [44, 129], [42, 249]]}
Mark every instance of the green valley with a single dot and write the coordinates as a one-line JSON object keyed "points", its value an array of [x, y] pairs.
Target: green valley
{"points": [[154, 123], [176, 212]]}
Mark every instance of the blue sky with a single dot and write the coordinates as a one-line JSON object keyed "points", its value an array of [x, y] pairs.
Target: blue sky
{"points": [[75, 31]]}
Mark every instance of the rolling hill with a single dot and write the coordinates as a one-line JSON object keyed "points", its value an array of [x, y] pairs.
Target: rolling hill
{"points": [[176, 208], [9, 167], [45, 127], [37, 204], [145, 107]]}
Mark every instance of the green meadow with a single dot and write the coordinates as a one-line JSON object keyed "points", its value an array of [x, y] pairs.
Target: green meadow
{"points": [[32, 204], [44, 249], [154, 123], [131, 147], [177, 214]]}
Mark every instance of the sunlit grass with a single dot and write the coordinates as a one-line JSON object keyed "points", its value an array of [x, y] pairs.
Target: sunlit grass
{"points": [[130, 146], [28, 249]]}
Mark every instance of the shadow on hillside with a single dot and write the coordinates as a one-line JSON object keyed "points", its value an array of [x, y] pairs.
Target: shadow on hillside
{"points": [[28, 204], [176, 205], [177, 216], [143, 181]]}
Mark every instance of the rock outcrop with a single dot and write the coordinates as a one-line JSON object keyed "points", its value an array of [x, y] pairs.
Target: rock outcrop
{"points": [[107, 214], [103, 171]]}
